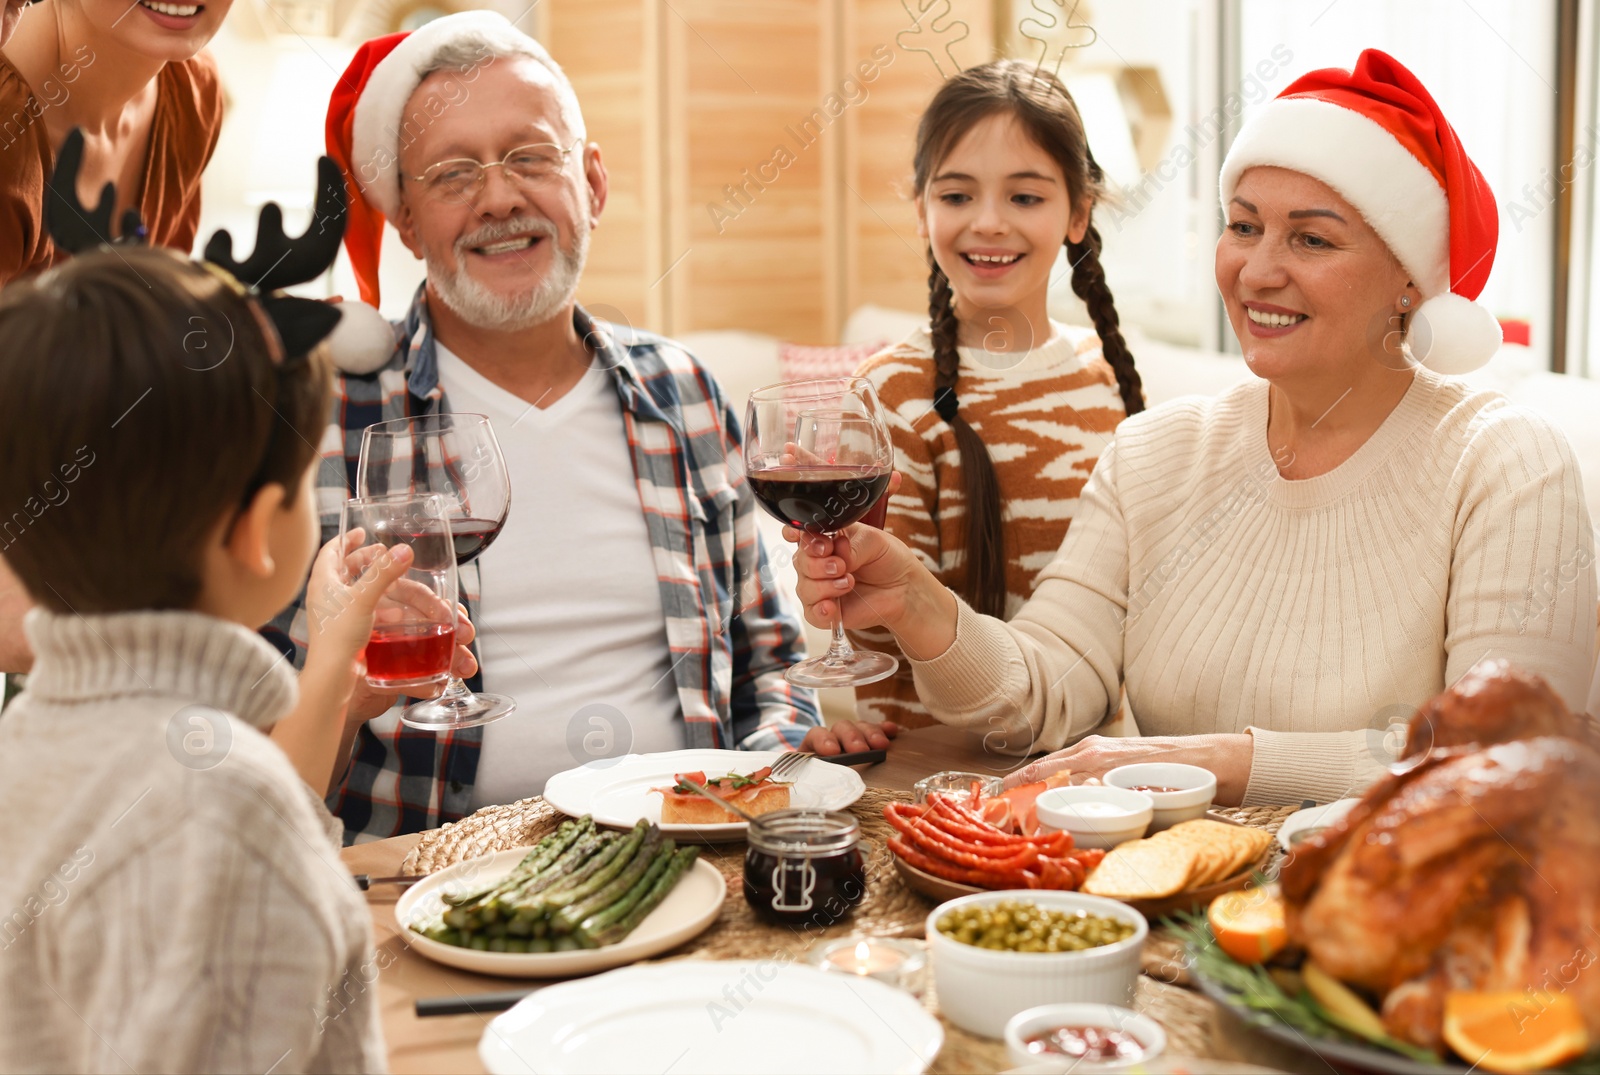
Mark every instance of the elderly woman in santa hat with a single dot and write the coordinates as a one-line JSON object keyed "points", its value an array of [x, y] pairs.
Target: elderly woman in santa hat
{"points": [[1274, 574]]}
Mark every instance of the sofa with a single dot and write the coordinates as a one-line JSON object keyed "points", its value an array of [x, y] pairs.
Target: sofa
{"points": [[745, 361]]}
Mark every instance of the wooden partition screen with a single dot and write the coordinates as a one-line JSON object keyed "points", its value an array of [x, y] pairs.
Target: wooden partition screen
{"points": [[759, 153]]}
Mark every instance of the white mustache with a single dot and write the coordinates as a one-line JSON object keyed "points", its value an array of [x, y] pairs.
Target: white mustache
{"points": [[507, 229]]}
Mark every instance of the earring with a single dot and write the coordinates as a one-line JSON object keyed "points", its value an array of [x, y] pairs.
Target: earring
{"points": [[1405, 300]]}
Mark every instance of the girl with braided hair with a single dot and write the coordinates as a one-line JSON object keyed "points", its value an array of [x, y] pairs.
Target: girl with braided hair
{"points": [[998, 413]]}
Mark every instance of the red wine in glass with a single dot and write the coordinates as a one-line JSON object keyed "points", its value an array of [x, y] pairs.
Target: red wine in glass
{"points": [[819, 499], [472, 536], [407, 654], [878, 515], [468, 536]]}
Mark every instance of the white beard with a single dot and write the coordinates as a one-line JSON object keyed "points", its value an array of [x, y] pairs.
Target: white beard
{"points": [[485, 308]]}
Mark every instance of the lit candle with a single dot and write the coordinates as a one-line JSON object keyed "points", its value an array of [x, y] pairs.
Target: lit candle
{"points": [[868, 960], [897, 963]]}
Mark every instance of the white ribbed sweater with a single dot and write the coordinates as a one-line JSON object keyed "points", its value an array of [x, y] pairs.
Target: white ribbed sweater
{"points": [[1228, 599], [173, 892]]}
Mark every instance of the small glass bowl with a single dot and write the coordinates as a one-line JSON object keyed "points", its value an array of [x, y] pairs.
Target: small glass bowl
{"points": [[952, 782]]}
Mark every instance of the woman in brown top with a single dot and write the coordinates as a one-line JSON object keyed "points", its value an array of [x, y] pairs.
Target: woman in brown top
{"points": [[150, 109], [130, 74]]}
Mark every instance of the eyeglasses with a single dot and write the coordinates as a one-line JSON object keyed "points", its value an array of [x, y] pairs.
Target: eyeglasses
{"points": [[463, 177]]}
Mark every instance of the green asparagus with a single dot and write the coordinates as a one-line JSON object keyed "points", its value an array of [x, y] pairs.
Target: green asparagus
{"points": [[565, 920], [493, 903], [663, 874], [681, 861], [579, 887], [530, 905], [579, 858], [566, 895], [590, 928], [542, 854]]}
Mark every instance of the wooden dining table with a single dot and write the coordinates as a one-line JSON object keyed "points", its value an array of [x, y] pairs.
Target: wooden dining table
{"points": [[450, 1043]]}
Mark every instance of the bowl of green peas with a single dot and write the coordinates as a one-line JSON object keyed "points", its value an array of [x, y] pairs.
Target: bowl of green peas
{"points": [[999, 953]]}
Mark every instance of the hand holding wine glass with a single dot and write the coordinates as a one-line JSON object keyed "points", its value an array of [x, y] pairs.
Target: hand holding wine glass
{"points": [[866, 577], [818, 457], [316, 733], [412, 642], [339, 617]]}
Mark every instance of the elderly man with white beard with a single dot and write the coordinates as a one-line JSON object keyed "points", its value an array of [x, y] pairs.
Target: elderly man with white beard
{"points": [[627, 605]]}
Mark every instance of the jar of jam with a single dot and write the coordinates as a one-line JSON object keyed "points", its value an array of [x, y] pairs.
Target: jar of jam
{"points": [[804, 867]]}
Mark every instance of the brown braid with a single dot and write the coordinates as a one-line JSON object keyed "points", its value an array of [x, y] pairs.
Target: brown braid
{"points": [[1089, 284], [985, 585]]}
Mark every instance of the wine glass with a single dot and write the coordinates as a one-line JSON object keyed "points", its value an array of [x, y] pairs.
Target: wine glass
{"points": [[818, 457], [413, 636], [457, 457]]}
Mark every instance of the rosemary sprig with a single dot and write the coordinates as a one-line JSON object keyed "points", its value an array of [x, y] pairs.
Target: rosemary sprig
{"points": [[1251, 986], [1255, 989]]}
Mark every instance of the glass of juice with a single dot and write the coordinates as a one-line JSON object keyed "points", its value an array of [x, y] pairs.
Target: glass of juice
{"points": [[414, 629]]}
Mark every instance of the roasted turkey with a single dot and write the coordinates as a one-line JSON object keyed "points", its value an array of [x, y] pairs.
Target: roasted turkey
{"points": [[1477, 867]]}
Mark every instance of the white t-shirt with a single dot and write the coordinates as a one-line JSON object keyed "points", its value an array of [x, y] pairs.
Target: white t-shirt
{"points": [[570, 622]]}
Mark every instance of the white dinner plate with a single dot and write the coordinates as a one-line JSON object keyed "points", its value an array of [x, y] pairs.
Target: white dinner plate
{"points": [[617, 790], [689, 908], [1312, 817], [695, 1015]]}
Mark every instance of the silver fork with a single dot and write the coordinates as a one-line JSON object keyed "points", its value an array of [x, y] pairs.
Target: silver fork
{"points": [[790, 762]]}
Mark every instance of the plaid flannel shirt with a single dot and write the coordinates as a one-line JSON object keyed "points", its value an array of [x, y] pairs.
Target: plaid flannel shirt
{"points": [[729, 632]]}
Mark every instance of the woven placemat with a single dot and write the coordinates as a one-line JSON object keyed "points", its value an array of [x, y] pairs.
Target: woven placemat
{"points": [[1270, 818], [889, 910]]}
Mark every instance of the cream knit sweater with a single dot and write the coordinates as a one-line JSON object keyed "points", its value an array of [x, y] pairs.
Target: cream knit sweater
{"points": [[1310, 613], [172, 893]]}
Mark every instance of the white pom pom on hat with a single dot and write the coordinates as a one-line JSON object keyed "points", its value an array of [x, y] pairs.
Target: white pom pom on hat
{"points": [[363, 341], [1452, 335], [1375, 135]]}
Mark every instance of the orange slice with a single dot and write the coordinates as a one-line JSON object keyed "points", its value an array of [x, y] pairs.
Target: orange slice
{"points": [[1514, 1032], [1249, 924]]}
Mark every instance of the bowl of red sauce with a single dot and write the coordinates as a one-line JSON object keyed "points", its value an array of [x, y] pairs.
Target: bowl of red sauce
{"points": [[1179, 792], [1084, 1037]]}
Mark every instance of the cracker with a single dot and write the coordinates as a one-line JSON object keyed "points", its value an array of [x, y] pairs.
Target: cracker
{"points": [[1214, 860], [1142, 870], [1249, 849], [1207, 856], [1227, 848]]}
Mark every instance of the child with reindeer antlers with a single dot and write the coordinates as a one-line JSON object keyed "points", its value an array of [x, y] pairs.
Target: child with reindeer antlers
{"points": [[175, 898]]}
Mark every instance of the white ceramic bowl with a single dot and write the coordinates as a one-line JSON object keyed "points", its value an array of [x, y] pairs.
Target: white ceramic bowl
{"points": [[1096, 815], [1196, 788], [1024, 1025], [981, 989]]}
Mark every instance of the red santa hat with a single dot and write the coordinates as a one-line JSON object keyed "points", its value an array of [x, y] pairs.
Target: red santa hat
{"points": [[366, 118], [1375, 135]]}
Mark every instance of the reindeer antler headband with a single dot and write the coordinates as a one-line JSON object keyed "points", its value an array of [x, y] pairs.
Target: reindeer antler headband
{"points": [[276, 262]]}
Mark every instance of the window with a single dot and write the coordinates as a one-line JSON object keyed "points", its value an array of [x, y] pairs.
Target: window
{"points": [[1491, 65]]}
